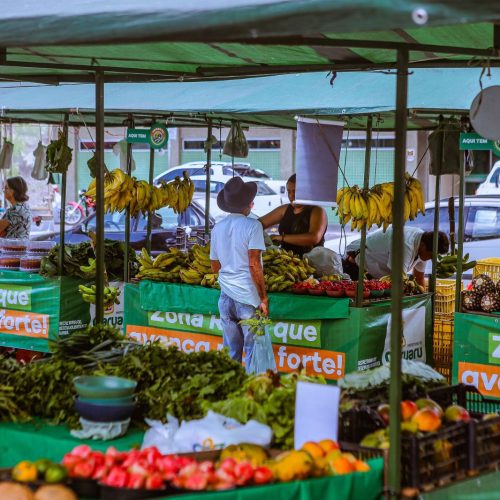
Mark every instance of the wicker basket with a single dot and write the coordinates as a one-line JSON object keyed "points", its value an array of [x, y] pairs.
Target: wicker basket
{"points": [[442, 345], [490, 267]]}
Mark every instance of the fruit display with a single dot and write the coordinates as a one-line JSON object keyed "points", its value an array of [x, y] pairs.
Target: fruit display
{"points": [[41, 470], [236, 466], [199, 269], [77, 255], [122, 191], [368, 207], [411, 287], [164, 267], [282, 269], [447, 265], [16, 491], [482, 295], [332, 277], [58, 155], [88, 294]]}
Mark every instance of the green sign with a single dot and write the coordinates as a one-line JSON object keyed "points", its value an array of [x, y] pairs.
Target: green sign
{"points": [[156, 136], [494, 348], [473, 141]]}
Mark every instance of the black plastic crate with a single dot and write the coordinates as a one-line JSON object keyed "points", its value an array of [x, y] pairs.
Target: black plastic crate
{"points": [[436, 458], [484, 436], [356, 423]]}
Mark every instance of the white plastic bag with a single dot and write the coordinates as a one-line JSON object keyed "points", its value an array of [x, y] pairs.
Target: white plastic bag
{"points": [[6, 155], [211, 432], [236, 144], [120, 149], [325, 261], [39, 172], [262, 358]]}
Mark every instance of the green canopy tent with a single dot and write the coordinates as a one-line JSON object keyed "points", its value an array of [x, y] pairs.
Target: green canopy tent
{"points": [[87, 42]]}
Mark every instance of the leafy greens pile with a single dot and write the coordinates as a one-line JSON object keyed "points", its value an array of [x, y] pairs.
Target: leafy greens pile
{"points": [[78, 254], [268, 398]]}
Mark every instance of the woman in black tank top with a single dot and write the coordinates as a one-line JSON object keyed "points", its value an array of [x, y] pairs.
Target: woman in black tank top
{"points": [[301, 227]]}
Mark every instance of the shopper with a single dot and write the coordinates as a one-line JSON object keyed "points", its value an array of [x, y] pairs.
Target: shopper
{"points": [[301, 227], [417, 247], [16, 222], [235, 253]]}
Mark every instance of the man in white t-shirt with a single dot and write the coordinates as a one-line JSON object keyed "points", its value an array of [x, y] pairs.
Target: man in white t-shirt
{"points": [[416, 247], [235, 253]]}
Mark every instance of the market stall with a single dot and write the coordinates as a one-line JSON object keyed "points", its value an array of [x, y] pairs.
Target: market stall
{"points": [[323, 334]]}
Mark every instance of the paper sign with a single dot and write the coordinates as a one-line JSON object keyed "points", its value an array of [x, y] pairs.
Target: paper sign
{"points": [[316, 412]]}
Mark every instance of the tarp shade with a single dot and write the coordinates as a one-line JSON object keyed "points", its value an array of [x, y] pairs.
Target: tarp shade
{"points": [[268, 101], [199, 40]]}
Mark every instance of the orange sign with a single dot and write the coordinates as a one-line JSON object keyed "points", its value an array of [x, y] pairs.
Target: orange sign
{"points": [[24, 323], [330, 365], [485, 377]]}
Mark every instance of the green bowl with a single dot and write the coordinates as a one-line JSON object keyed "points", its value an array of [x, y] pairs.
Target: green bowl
{"points": [[104, 387], [119, 401]]}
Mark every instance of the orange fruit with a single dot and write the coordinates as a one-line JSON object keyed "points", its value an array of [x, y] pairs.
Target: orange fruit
{"points": [[341, 465], [314, 449], [361, 466], [328, 445]]}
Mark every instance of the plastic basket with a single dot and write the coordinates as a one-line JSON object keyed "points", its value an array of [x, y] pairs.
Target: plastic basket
{"points": [[442, 346], [356, 423], [444, 298], [490, 267]]}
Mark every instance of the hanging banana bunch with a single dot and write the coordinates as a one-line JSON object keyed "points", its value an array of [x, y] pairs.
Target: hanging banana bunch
{"points": [[122, 191], [373, 207]]}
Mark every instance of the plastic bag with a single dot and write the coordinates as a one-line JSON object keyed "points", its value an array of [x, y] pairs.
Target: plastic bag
{"points": [[325, 261], [39, 173], [236, 144], [262, 358], [6, 155], [101, 430], [120, 149], [211, 432]]}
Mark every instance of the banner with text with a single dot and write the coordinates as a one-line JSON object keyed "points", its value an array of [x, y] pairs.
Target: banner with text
{"points": [[476, 352]]}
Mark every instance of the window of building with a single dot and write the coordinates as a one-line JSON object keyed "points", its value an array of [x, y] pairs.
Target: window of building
{"points": [[257, 144]]}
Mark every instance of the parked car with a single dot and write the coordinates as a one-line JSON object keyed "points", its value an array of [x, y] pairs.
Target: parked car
{"points": [[223, 171], [265, 200], [481, 228], [164, 227], [491, 186]]}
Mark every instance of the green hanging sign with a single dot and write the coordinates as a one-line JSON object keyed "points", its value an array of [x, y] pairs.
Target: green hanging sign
{"points": [[156, 136], [473, 141]]}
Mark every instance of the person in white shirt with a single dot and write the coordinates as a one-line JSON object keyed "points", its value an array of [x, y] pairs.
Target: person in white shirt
{"points": [[417, 246], [235, 253]]}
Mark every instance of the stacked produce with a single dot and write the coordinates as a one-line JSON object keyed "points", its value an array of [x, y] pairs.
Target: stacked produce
{"points": [[447, 265], [268, 398], [58, 155], [282, 269], [78, 260], [88, 294], [484, 295], [236, 466], [199, 270], [122, 191], [368, 207], [164, 267]]}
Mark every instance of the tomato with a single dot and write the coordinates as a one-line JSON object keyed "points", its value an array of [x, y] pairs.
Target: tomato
{"points": [[136, 481], [99, 472], [151, 454], [243, 472], [263, 475], [154, 481], [83, 469], [132, 457], [117, 477], [82, 451], [25, 472], [197, 481], [70, 461]]}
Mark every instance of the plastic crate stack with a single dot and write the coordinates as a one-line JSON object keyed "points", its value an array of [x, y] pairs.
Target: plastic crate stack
{"points": [[490, 267], [442, 339]]}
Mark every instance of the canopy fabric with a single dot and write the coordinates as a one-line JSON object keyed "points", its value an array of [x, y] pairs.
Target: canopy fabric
{"points": [[163, 39], [267, 101]]}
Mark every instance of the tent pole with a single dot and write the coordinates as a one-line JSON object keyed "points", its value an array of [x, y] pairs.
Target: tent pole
{"points": [[432, 281], [460, 237], [150, 214], [396, 273], [126, 265], [366, 185], [62, 214], [99, 151], [207, 190]]}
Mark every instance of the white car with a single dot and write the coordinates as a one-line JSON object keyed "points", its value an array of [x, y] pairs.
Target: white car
{"points": [[223, 171], [481, 233], [492, 183], [265, 200]]}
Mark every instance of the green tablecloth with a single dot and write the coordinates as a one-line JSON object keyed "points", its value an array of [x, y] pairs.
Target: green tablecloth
{"points": [[174, 297], [484, 487], [31, 441]]}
